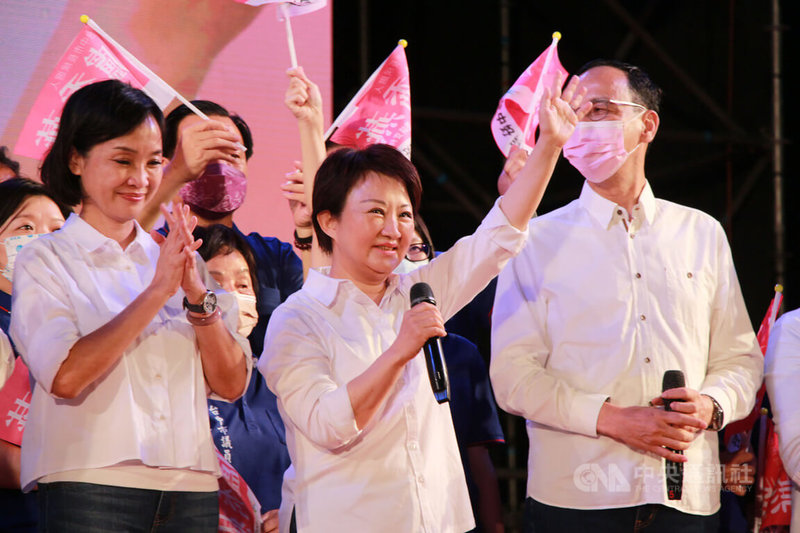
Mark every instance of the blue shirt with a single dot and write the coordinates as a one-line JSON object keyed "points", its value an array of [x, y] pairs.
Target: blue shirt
{"points": [[251, 435], [472, 403]]}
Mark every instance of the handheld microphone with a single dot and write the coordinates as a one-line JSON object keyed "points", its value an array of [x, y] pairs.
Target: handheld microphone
{"points": [[434, 357], [673, 472]]}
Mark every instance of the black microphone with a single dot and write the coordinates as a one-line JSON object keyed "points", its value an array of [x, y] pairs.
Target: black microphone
{"points": [[673, 471], [434, 356]]}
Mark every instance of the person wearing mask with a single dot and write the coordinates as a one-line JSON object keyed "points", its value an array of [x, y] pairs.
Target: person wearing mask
{"points": [[122, 335], [207, 169], [369, 443], [610, 292], [27, 211], [248, 432]]}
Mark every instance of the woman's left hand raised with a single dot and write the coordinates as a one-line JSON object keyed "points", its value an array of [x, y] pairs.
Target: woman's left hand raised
{"points": [[178, 250], [560, 112]]}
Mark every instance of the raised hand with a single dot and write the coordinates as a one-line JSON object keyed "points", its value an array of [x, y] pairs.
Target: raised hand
{"points": [[201, 143], [560, 112], [303, 97], [293, 189]]}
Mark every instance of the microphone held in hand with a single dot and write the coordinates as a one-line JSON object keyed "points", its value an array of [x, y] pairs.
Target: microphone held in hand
{"points": [[434, 357], [673, 379]]}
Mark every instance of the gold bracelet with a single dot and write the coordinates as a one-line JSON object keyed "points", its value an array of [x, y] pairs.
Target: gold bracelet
{"points": [[203, 320]]}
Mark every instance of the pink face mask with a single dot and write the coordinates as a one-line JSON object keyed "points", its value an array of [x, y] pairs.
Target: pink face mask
{"points": [[597, 149], [221, 189]]}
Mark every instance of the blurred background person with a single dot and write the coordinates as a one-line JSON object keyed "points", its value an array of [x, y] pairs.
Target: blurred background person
{"points": [[248, 432], [27, 211]]}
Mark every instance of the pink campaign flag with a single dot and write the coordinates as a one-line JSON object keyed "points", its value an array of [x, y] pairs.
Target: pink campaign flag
{"points": [[89, 58], [15, 400], [517, 116], [381, 110], [239, 510]]}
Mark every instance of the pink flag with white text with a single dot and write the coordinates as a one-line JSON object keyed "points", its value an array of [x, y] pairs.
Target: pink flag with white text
{"points": [[381, 111], [88, 59], [517, 116], [15, 400]]}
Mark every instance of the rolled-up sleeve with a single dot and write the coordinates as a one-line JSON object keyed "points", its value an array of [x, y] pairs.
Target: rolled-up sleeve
{"points": [[297, 369], [43, 324], [735, 363]]}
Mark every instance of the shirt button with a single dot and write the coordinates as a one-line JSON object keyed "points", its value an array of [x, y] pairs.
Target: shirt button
{"points": [[689, 275], [642, 317], [646, 359], [619, 211], [638, 275], [412, 445], [158, 376], [632, 235], [421, 479]]}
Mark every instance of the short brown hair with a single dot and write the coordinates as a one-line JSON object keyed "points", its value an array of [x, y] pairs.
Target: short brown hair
{"points": [[343, 169]]}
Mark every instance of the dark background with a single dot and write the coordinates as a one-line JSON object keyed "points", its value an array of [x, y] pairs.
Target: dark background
{"points": [[714, 149], [720, 163]]}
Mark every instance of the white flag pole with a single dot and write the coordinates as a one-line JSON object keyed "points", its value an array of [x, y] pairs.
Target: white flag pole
{"points": [[351, 106], [141, 66], [289, 35]]}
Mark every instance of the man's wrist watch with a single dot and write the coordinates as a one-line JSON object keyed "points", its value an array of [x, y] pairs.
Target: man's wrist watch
{"points": [[717, 417], [207, 306]]}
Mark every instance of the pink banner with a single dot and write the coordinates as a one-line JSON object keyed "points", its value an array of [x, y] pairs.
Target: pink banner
{"points": [[517, 116], [239, 510], [382, 111], [294, 7], [88, 59], [15, 400]]}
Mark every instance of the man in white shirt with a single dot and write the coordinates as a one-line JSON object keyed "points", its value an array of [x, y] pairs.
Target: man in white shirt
{"points": [[611, 291]]}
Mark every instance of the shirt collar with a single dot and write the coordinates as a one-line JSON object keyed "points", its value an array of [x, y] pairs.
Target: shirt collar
{"points": [[324, 288], [88, 237], [602, 210]]}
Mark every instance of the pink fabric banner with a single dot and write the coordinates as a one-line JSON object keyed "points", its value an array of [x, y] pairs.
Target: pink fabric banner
{"points": [[239, 510], [88, 59], [517, 116], [15, 400], [381, 112]]}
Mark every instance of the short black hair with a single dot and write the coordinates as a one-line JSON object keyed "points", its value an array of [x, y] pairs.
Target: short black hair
{"points": [[14, 192], [644, 89], [219, 239], [6, 161], [210, 108], [93, 115], [346, 167]]}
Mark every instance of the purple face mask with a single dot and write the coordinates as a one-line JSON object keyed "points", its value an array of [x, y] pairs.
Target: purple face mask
{"points": [[221, 189]]}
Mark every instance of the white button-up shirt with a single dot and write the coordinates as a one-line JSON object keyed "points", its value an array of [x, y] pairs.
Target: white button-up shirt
{"points": [[598, 307], [782, 374], [402, 471], [151, 405]]}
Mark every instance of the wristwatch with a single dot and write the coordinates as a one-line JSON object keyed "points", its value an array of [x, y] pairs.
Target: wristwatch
{"points": [[717, 417], [207, 306]]}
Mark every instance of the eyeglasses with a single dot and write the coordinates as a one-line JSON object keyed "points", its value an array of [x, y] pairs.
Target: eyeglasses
{"points": [[601, 107], [418, 251]]}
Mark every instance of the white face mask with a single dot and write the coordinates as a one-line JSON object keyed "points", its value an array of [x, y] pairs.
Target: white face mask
{"points": [[407, 266], [248, 315], [13, 246]]}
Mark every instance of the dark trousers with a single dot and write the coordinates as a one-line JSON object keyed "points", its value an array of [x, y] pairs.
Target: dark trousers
{"points": [[90, 508], [650, 518]]}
